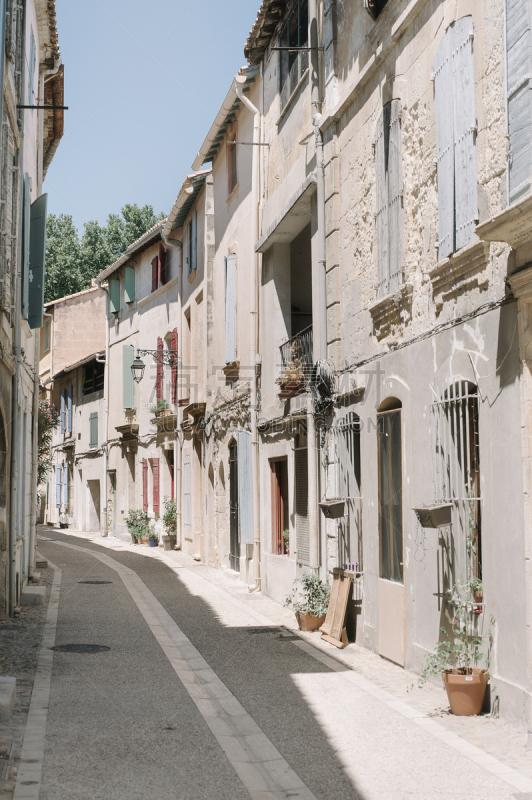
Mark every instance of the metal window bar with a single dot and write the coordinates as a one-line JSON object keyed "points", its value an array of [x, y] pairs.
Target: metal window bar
{"points": [[345, 441], [299, 347]]}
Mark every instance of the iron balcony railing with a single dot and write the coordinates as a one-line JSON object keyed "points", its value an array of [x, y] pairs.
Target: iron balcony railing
{"points": [[299, 347]]}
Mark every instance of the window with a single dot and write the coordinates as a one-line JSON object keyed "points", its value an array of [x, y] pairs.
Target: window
{"points": [[155, 480], [46, 346], [389, 440], [232, 178], [389, 191], [114, 295], [280, 519], [301, 505], [374, 7], [345, 440], [230, 309], [128, 383], [93, 377], [160, 370], [518, 76], [93, 432], [66, 409], [293, 63], [455, 138], [144, 484], [191, 244]]}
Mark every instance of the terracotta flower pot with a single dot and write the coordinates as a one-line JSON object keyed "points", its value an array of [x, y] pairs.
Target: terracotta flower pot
{"points": [[465, 692], [144, 539], [290, 389], [309, 622]]}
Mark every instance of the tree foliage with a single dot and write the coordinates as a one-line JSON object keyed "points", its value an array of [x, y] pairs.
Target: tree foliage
{"points": [[72, 261]]}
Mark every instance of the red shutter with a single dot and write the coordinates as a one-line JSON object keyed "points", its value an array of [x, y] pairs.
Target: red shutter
{"points": [[162, 265], [155, 470], [144, 484], [154, 273], [159, 382], [174, 366]]}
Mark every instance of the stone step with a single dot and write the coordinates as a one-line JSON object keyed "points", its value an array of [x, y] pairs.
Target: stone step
{"points": [[41, 563], [8, 694], [33, 596], [36, 576]]}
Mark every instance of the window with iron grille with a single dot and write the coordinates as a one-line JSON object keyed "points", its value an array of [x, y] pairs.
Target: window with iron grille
{"points": [[293, 63], [345, 439], [457, 473]]}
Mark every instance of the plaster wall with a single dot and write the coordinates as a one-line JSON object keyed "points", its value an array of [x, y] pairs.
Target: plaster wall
{"points": [[78, 327]]}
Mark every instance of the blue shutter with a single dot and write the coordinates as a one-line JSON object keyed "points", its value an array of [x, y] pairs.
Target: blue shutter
{"points": [[37, 261], [230, 309], [93, 422], [31, 72], [63, 410], [26, 214], [70, 408], [245, 487], [189, 247], [65, 485], [194, 242], [519, 76], [186, 493], [443, 92], [129, 284], [128, 384], [114, 295], [58, 485], [465, 166]]}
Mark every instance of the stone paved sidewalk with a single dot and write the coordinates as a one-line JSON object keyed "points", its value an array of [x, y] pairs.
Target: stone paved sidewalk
{"points": [[20, 640]]}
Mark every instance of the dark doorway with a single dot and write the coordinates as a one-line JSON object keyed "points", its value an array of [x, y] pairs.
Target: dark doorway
{"points": [[280, 542], [234, 543]]}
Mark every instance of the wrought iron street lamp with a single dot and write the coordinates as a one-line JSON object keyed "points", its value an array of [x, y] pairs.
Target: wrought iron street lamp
{"points": [[167, 357]]}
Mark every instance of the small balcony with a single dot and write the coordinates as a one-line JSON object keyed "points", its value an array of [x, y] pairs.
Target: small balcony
{"points": [[296, 363]]}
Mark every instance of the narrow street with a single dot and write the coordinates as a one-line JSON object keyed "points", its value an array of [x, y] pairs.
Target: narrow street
{"points": [[221, 705]]}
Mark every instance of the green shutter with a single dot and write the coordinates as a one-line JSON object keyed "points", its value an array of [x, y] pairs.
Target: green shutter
{"points": [[129, 284], [93, 430], [114, 295], [36, 267], [26, 203], [127, 376]]}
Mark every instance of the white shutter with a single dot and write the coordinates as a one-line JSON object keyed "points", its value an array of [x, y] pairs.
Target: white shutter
{"points": [[519, 72], [395, 200], [301, 504], [186, 493], [465, 166], [230, 309], [443, 92], [382, 203], [245, 487]]}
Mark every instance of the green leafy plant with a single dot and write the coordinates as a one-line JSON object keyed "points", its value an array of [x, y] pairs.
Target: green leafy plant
{"points": [[294, 371], [310, 595], [162, 405], [170, 516], [137, 523], [49, 419], [286, 538]]}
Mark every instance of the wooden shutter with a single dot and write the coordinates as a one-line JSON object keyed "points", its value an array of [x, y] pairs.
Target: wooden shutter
{"points": [[114, 295], [174, 366], [382, 202], [128, 384], [301, 506], [395, 200], [58, 485], [37, 259], [160, 373], [186, 493], [70, 408], [155, 472], [63, 410], [194, 241], [144, 484], [93, 420], [245, 487], [26, 201], [65, 485], [162, 265], [465, 166], [519, 73], [230, 309], [129, 284], [443, 91], [154, 273], [189, 247]]}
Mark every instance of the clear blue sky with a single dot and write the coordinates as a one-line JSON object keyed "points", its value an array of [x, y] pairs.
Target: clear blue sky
{"points": [[143, 82]]}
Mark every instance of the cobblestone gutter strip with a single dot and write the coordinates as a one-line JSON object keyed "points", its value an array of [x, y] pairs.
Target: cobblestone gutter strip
{"points": [[259, 765], [29, 775]]}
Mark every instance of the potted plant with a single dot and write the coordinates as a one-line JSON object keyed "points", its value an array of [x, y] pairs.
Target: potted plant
{"points": [[170, 524], [161, 409], [309, 599], [286, 541], [478, 592], [292, 376], [137, 525], [459, 655]]}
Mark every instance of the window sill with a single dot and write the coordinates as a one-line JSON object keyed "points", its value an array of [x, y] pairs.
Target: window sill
{"points": [[158, 292], [460, 272], [292, 97], [232, 193], [392, 311]]}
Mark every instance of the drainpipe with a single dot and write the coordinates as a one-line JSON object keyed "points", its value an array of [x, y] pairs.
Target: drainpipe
{"points": [[177, 441], [103, 527], [254, 358]]}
